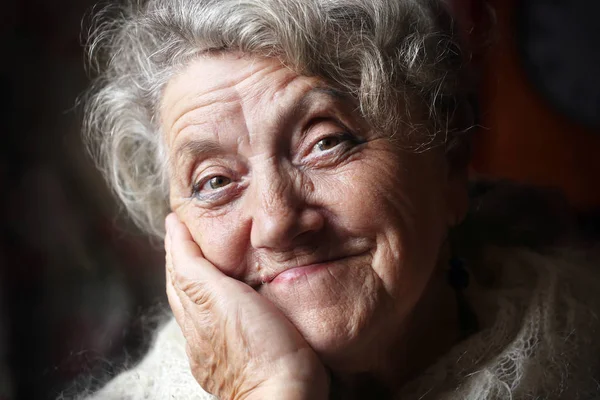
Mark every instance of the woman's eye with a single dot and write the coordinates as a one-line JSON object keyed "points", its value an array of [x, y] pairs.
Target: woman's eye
{"points": [[214, 189], [217, 182], [205, 187], [328, 143]]}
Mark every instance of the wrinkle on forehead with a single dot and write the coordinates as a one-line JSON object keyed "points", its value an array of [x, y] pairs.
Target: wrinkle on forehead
{"points": [[186, 94]]}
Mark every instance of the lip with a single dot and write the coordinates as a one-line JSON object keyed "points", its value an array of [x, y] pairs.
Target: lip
{"points": [[292, 274], [310, 265]]}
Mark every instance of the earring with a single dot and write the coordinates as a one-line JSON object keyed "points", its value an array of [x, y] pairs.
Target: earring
{"points": [[458, 278]]}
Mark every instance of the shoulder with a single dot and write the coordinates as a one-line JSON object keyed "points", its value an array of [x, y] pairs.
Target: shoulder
{"points": [[164, 373], [555, 286], [537, 296], [545, 338], [541, 336], [550, 299]]}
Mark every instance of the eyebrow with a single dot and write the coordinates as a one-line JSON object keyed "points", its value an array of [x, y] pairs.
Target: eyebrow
{"points": [[196, 148], [303, 103]]}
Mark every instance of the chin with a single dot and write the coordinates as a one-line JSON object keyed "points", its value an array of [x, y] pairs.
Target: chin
{"points": [[342, 348], [340, 309], [341, 332]]}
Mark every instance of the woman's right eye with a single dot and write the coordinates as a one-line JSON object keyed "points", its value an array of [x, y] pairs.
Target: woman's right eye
{"points": [[217, 182], [212, 184]]}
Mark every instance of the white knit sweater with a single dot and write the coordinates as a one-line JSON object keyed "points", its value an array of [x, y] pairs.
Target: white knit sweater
{"points": [[543, 342]]}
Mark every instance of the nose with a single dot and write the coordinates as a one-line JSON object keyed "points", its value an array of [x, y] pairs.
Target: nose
{"points": [[281, 217]]}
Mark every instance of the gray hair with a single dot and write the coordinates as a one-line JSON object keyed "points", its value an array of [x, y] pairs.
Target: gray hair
{"points": [[398, 59]]}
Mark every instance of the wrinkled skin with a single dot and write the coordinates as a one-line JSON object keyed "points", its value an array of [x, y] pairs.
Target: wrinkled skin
{"points": [[306, 239], [227, 326]]}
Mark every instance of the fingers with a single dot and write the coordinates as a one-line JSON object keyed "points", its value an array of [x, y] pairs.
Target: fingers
{"points": [[192, 281], [179, 232], [188, 262], [172, 295], [227, 325], [175, 301]]}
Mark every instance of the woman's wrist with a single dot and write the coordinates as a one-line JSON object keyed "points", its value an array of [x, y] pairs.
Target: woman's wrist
{"points": [[301, 385]]}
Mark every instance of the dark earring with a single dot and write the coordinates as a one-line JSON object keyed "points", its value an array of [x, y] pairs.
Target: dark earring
{"points": [[458, 278]]}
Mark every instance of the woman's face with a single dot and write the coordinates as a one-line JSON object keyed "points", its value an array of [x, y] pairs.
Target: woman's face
{"points": [[284, 187]]}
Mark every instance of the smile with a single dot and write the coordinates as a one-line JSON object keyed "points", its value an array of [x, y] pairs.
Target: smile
{"points": [[292, 274], [289, 275]]}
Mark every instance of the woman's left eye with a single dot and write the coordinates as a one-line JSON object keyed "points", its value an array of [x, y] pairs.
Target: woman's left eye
{"points": [[331, 142]]}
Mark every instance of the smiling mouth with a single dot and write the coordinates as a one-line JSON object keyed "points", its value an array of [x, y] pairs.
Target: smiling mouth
{"points": [[293, 273]]}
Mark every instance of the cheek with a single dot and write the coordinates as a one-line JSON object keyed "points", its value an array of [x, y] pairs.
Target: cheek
{"points": [[397, 203], [222, 239], [365, 195]]}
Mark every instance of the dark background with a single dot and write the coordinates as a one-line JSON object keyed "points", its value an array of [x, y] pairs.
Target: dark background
{"points": [[77, 282], [80, 288]]}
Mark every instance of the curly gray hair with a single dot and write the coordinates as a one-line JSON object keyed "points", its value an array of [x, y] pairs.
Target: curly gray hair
{"points": [[398, 59]]}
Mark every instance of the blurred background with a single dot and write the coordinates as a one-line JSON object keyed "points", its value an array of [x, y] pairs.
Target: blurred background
{"points": [[77, 282], [81, 289]]}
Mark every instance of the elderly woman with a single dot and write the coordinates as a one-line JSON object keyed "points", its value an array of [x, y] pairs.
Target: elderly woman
{"points": [[310, 159]]}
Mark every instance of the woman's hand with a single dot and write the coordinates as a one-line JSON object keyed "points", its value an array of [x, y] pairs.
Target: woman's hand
{"points": [[240, 346]]}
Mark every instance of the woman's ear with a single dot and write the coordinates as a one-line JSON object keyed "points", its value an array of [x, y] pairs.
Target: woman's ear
{"points": [[457, 196]]}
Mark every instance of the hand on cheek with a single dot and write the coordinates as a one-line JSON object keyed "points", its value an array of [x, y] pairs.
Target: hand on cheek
{"points": [[240, 346]]}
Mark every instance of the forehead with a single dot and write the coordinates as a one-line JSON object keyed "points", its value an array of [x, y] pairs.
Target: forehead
{"points": [[228, 99], [229, 78]]}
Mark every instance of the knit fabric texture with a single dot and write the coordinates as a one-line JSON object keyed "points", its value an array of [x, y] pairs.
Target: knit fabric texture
{"points": [[543, 341]]}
